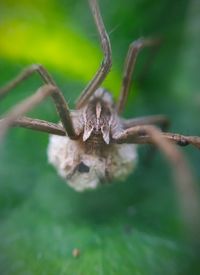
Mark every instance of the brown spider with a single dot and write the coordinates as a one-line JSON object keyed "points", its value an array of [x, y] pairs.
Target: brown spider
{"points": [[93, 144]]}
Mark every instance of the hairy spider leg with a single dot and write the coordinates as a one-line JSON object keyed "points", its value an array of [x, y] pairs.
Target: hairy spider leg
{"points": [[185, 183], [57, 96], [129, 66], [107, 60]]}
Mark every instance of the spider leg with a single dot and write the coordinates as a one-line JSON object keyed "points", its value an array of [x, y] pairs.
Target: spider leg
{"points": [[161, 120], [26, 73], [185, 183], [139, 134], [153, 51], [129, 65], [24, 106], [107, 60], [182, 140], [57, 96], [37, 125]]}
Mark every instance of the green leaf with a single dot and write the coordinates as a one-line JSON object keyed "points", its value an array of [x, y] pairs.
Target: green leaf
{"points": [[131, 227]]}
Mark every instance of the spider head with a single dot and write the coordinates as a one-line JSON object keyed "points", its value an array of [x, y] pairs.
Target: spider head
{"points": [[98, 116]]}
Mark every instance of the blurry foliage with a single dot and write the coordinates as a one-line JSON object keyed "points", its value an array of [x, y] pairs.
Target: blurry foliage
{"points": [[125, 228]]}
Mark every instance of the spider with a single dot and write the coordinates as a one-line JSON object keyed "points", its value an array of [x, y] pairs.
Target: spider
{"points": [[93, 144]]}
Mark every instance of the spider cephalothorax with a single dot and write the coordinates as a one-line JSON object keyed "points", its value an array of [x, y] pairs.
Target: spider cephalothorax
{"points": [[97, 118]]}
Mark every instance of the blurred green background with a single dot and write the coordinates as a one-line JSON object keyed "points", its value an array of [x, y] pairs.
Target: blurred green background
{"points": [[125, 228]]}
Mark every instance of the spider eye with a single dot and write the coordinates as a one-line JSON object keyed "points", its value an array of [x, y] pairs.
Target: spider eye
{"points": [[82, 168]]}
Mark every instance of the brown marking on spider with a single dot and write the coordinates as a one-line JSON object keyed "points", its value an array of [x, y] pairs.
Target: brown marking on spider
{"points": [[94, 143]]}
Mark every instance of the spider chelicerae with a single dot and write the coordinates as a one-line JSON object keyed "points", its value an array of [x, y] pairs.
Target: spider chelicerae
{"points": [[93, 143]]}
